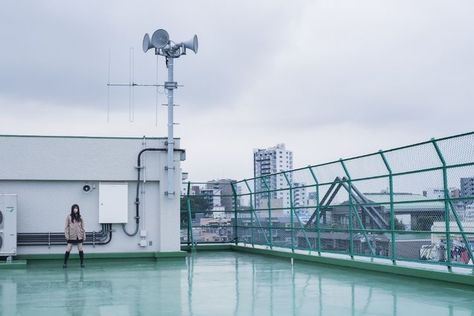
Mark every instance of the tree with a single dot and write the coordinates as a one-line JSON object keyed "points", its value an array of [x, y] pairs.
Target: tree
{"points": [[399, 224], [425, 222], [198, 203]]}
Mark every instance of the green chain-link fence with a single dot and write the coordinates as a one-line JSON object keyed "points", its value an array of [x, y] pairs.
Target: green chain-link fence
{"points": [[413, 203]]}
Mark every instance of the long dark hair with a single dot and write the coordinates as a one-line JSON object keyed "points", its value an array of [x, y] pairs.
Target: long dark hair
{"points": [[76, 217]]}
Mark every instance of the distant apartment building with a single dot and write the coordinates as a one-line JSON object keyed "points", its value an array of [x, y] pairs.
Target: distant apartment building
{"points": [[467, 189], [438, 193], [268, 161], [312, 198], [226, 193], [300, 195], [195, 190], [212, 196]]}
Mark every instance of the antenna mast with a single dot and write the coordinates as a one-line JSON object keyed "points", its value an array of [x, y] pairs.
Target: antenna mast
{"points": [[164, 47]]}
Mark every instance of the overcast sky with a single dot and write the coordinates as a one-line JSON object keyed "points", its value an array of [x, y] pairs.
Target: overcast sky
{"points": [[330, 79]]}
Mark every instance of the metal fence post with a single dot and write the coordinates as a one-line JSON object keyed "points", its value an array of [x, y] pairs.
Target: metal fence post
{"points": [[292, 225], [269, 204], [234, 196], [392, 208], [318, 232], [356, 212], [292, 206], [254, 213], [351, 233], [446, 203], [251, 213], [190, 224]]}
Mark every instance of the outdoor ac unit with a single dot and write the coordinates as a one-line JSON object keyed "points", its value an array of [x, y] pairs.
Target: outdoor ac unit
{"points": [[8, 212]]}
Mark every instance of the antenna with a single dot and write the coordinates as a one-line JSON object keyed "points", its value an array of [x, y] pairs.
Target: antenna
{"points": [[163, 46], [108, 90], [156, 93], [131, 86], [131, 91]]}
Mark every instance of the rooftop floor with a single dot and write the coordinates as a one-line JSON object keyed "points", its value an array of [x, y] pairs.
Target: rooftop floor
{"points": [[222, 283]]}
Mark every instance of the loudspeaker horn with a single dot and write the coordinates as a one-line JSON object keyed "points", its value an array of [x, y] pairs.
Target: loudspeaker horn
{"points": [[160, 38], [147, 43], [192, 44]]}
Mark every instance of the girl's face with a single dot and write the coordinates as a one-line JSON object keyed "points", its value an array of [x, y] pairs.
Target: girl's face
{"points": [[75, 210]]}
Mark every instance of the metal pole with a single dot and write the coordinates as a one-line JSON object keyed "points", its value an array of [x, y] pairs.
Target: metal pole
{"points": [[318, 231], [234, 193], [356, 212], [392, 208], [251, 213], [170, 85], [294, 212], [351, 233], [269, 204], [291, 213], [446, 203], [190, 225]]}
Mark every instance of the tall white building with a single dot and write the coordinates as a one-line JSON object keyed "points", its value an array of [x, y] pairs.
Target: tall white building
{"points": [[269, 161], [300, 196]]}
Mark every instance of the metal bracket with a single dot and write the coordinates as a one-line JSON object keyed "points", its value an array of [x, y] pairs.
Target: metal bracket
{"points": [[171, 85]]}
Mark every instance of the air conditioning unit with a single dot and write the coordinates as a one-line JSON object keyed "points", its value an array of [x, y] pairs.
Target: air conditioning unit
{"points": [[8, 213]]}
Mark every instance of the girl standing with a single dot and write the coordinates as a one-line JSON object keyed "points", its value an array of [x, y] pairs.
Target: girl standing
{"points": [[75, 233]]}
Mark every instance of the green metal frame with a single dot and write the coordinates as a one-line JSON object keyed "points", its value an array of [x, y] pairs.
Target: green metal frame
{"points": [[392, 208], [269, 204], [317, 210], [253, 206], [190, 219], [294, 214], [236, 218], [446, 203], [352, 209], [388, 173]]}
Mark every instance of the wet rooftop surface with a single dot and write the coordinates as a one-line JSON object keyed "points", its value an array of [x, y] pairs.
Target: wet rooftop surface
{"points": [[222, 283]]}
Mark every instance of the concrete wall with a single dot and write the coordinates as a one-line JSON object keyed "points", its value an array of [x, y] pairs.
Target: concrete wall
{"points": [[48, 173]]}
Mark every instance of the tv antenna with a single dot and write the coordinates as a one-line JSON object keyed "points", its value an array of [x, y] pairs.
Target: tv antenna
{"points": [[163, 46], [131, 84]]}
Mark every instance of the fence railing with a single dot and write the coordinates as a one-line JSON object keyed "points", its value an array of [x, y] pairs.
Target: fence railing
{"points": [[412, 203]]}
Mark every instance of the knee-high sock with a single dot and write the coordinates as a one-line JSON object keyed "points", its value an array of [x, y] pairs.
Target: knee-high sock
{"points": [[81, 256], [66, 256]]}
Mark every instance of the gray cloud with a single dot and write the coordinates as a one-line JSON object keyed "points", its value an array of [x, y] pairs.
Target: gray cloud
{"points": [[321, 73]]}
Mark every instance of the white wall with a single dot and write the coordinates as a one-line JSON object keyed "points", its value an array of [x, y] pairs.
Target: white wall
{"points": [[48, 173]]}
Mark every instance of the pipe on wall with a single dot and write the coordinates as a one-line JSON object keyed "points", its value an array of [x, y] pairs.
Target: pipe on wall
{"points": [[102, 237], [137, 195]]}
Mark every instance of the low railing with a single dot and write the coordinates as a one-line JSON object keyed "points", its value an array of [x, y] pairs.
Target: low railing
{"points": [[413, 203]]}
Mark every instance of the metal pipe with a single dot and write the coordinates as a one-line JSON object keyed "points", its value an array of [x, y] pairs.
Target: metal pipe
{"points": [[170, 168], [137, 195], [49, 239]]}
